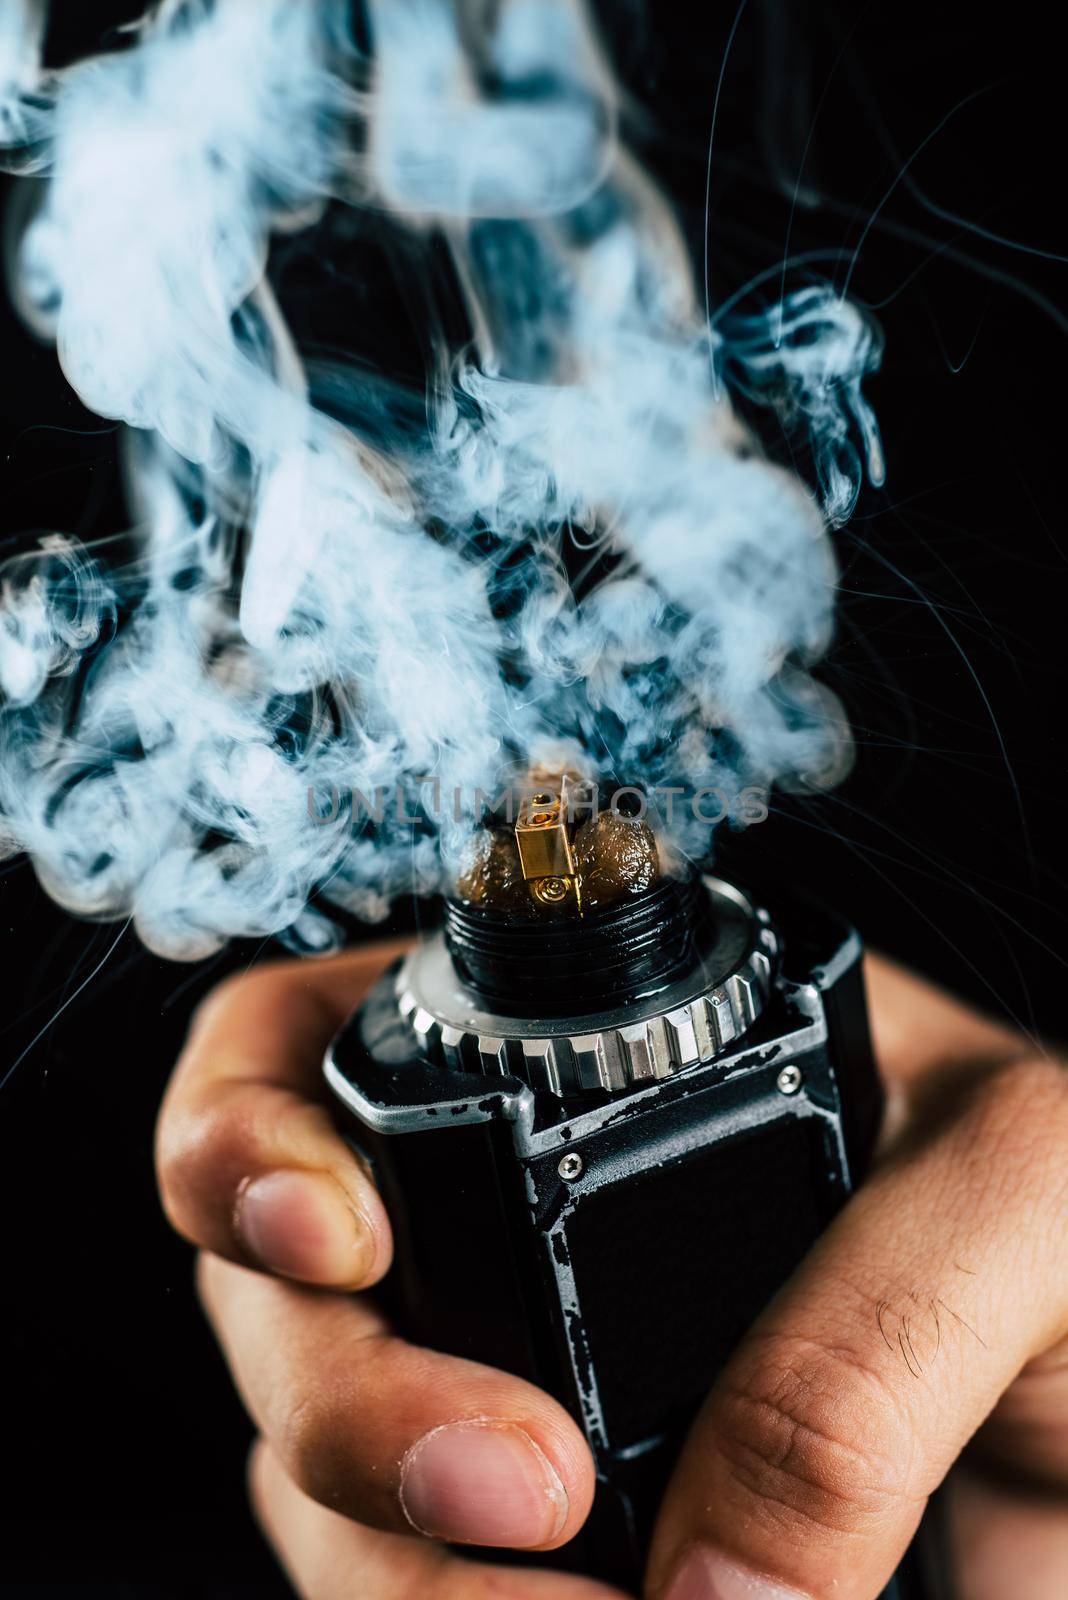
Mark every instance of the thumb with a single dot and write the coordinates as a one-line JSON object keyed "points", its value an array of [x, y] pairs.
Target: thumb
{"points": [[807, 1472]]}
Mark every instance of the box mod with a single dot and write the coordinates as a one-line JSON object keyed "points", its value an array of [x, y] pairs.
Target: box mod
{"points": [[604, 1145]]}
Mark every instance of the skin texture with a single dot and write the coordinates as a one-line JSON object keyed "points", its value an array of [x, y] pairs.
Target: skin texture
{"points": [[930, 1320]]}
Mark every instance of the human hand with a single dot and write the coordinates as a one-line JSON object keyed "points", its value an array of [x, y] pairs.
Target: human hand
{"points": [[937, 1297], [932, 1315], [394, 1440]]}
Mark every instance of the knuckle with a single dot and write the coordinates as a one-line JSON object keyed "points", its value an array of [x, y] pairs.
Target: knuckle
{"points": [[816, 1437], [171, 1204], [207, 1145], [172, 1169], [191, 1145]]}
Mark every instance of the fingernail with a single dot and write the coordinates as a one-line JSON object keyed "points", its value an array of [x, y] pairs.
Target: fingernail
{"points": [[482, 1483], [303, 1225], [706, 1575]]}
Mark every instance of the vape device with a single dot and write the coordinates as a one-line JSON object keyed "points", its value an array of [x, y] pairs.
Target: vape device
{"points": [[606, 1131]]}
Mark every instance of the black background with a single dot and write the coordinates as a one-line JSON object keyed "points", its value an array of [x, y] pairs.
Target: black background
{"points": [[121, 1445]]}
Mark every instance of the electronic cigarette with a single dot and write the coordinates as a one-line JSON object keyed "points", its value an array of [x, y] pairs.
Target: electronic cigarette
{"points": [[609, 1108]]}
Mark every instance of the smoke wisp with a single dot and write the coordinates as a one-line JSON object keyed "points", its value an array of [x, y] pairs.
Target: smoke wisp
{"points": [[572, 549]]}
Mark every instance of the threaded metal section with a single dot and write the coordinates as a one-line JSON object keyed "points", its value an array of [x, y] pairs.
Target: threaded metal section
{"points": [[546, 967]]}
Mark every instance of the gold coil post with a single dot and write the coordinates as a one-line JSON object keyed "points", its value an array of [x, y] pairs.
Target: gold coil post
{"points": [[544, 836]]}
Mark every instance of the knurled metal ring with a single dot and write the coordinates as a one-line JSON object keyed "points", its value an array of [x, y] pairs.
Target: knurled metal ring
{"points": [[692, 1021]]}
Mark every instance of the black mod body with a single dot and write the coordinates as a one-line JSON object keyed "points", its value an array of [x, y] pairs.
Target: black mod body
{"points": [[612, 1246]]}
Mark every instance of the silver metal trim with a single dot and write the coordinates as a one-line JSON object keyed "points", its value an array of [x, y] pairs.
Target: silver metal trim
{"points": [[689, 1022]]}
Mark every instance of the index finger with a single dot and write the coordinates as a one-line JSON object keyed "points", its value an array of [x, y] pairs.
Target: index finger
{"points": [[250, 1164]]}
